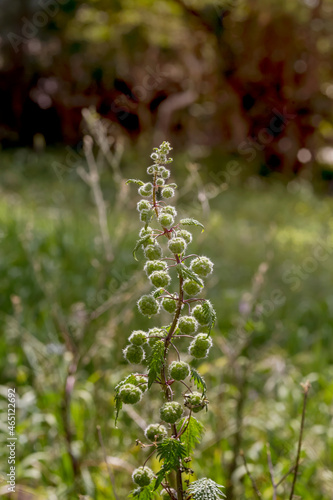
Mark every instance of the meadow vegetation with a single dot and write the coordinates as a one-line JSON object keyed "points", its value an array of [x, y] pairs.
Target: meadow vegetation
{"points": [[67, 311]]}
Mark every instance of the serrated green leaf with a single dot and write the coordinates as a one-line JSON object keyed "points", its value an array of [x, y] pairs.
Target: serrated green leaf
{"points": [[198, 380], [205, 489], [209, 314], [119, 405], [193, 433], [171, 451], [135, 181], [191, 222], [160, 476], [139, 243], [155, 361]]}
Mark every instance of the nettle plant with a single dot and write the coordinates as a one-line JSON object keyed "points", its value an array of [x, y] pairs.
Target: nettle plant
{"points": [[174, 433]]}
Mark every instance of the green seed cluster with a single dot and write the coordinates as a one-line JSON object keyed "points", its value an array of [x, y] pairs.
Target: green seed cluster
{"points": [[134, 354], [154, 265], [187, 325], [186, 235], [200, 316], [146, 189], [156, 334], [153, 252], [202, 266], [195, 401], [143, 476], [166, 220], [169, 305], [192, 287], [179, 370], [148, 305], [160, 279], [177, 245], [130, 394], [200, 346], [156, 432], [138, 337], [171, 412]]}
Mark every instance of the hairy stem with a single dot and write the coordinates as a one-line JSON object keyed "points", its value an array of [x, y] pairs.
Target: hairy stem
{"points": [[167, 388]]}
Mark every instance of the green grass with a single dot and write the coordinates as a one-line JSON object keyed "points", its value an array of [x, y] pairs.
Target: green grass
{"points": [[54, 277]]}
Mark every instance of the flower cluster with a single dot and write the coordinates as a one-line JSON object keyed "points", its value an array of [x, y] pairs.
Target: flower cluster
{"points": [[176, 278]]}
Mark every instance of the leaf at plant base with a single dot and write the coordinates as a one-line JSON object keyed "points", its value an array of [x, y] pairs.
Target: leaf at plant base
{"points": [[139, 243], [198, 380], [155, 361], [191, 222], [205, 489], [193, 433], [135, 181]]}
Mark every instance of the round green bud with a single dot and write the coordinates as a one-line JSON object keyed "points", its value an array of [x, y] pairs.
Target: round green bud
{"points": [[186, 235], [143, 476], [169, 305], [187, 325], [177, 245], [179, 370], [151, 170], [169, 209], [156, 432], [191, 287], [144, 231], [143, 205], [153, 252], [202, 266], [200, 346], [168, 192], [166, 220], [156, 334], [134, 354], [154, 265], [138, 337], [159, 182], [146, 189], [160, 279], [171, 412], [141, 382], [154, 156], [144, 215], [130, 394], [165, 173], [200, 316], [195, 401], [148, 305]]}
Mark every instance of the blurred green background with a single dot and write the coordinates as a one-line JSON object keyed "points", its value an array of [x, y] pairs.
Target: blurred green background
{"points": [[243, 91]]}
